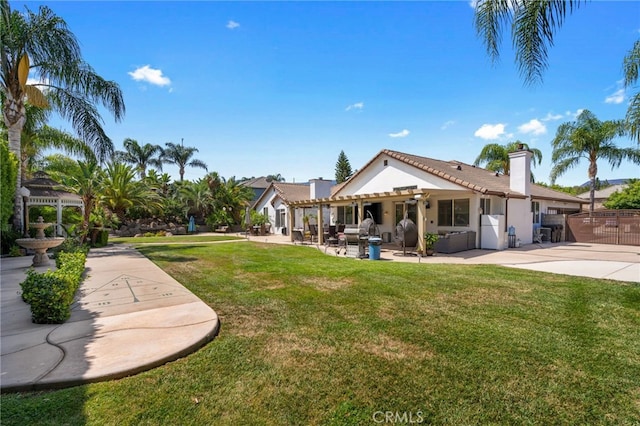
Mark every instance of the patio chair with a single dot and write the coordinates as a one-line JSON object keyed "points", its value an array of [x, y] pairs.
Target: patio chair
{"points": [[313, 231], [298, 236], [537, 236]]}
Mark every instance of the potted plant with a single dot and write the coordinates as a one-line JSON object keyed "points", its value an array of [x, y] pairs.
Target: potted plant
{"points": [[430, 239]]}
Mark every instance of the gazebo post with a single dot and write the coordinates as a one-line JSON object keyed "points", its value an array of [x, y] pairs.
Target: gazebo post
{"points": [[59, 217], [24, 193]]}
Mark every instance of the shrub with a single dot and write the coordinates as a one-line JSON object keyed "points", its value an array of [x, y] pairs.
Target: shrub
{"points": [[101, 238], [15, 251], [8, 237], [51, 293]]}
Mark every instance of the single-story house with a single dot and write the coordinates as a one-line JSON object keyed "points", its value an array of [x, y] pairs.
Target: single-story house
{"points": [[600, 196], [441, 197], [258, 186], [277, 198]]}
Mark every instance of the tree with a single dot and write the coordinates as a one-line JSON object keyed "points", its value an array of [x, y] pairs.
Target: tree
{"points": [[71, 86], [121, 191], [140, 156], [86, 183], [275, 178], [343, 168], [591, 139], [8, 174], [628, 198], [496, 157], [631, 67], [180, 155], [533, 26], [37, 137]]}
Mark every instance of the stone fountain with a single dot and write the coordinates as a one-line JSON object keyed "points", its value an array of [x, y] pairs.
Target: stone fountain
{"points": [[40, 244]]}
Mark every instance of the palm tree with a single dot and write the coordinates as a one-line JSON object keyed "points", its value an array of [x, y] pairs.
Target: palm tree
{"points": [[140, 156], [591, 139], [631, 68], [37, 137], [533, 26], [72, 87], [275, 178], [121, 191], [86, 183], [180, 155], [196, 198], [496, 156]]}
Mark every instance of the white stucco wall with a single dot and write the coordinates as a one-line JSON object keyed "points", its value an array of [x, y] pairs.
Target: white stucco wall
{"points": [[380, 178], [519, 215]]}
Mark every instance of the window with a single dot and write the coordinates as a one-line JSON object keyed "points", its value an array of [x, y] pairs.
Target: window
{"points": [[265, 211], [485, 205], [376, 211], [535, 209], [411, 210], [281, 218], [461, 212], [453, 212], [347, 215]]}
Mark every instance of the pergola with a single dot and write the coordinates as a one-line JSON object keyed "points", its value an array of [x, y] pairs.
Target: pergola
{"points": [[360, 200], [44, 191]]}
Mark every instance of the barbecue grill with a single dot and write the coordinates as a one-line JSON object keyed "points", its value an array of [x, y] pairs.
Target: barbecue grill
{"points": [[358, 238]]}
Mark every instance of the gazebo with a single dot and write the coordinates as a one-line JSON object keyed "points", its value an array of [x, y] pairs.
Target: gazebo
{"points": [[43, 191]]}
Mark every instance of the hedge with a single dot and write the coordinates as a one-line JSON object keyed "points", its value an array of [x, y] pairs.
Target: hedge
{"points": [[50, 294]]}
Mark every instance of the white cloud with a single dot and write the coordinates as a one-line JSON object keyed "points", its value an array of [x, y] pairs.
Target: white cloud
{"points": [[533, 126], [150, 75], [552, 117], [447, 124], [616, 97], [357, 105], [232, 25], [490, 131], [403, 134]]}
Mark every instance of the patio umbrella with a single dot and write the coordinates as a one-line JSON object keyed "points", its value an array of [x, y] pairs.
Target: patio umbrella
{"points": [[247, 217], [192, 224]]}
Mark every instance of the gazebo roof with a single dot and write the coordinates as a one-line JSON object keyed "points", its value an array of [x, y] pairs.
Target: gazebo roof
{"points": [[42, 186]]}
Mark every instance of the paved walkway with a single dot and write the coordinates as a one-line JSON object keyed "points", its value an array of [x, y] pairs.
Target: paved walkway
{"points": [[131, 316]]}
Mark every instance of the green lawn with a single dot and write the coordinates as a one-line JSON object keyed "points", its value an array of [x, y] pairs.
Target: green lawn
{"points": [[308, 338], [174, 239]]}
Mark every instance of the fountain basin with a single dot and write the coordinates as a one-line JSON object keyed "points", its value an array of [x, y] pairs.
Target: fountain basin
{"points": [[40, 246]]}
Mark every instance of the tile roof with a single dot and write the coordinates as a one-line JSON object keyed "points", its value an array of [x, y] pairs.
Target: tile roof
{"points": [[603, 193], [290, 192], [259, 182], [472, 177]]}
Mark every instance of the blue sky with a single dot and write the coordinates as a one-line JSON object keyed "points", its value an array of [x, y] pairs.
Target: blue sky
{"points": [[282, 87]]}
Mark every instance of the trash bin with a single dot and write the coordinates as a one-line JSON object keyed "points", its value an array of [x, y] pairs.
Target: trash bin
{"points": [[512, 237], [374, 248], [284, 230]]}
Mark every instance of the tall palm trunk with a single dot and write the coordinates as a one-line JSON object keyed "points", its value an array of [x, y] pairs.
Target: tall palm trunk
{"points": [[593, 172], [14, 115]]}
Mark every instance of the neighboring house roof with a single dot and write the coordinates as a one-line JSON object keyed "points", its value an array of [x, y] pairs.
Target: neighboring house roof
{"points": [[602, 194], [469, 176], [288, 192], [259, 182], [587, 184]]}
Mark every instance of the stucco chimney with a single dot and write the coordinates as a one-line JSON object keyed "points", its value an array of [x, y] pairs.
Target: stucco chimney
{"points": [[520, 171], [319, 188]]}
